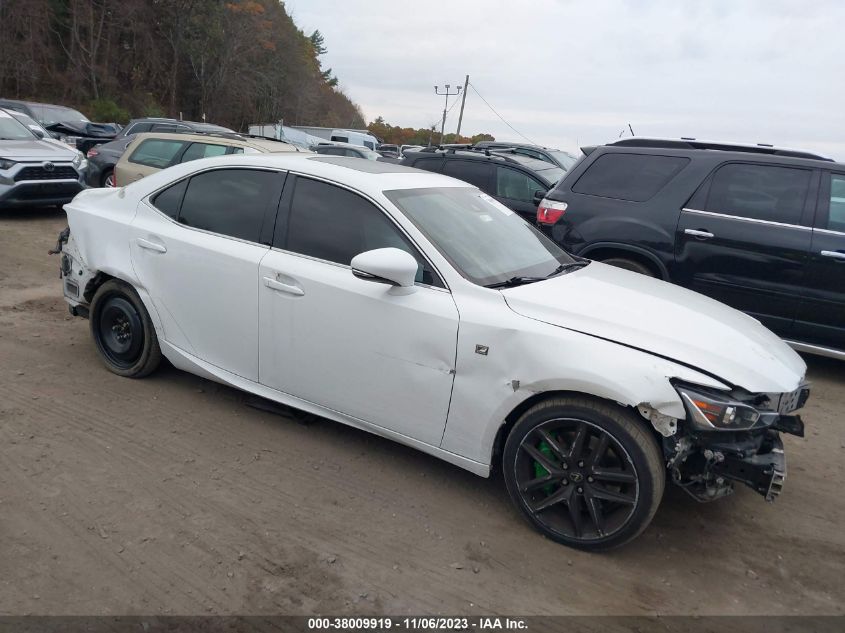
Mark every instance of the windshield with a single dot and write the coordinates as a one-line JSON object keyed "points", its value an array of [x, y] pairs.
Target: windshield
{"points": [[13, 130], [565, 159], [50, 115], [484, 240]]}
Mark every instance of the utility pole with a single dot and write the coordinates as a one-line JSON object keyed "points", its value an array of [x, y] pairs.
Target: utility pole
{"points": [[461, 115], [447, 94]]}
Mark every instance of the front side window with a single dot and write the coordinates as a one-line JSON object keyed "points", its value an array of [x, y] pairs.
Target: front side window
{"points": [[158, 153], [202, 150], [474, 172], [485, 241], [631, 177], [836, 210], [334, 224], [515, 185], [759, 192], [370, 145], [231, 202]]}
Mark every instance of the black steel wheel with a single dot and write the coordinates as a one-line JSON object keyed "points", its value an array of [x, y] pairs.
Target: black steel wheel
{"points": [[585, 472], [122, 330]]}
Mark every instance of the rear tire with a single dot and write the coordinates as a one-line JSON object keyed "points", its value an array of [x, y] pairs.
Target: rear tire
{"points": [[629, 264], [108, 179], [123, 331], [584, 472]]}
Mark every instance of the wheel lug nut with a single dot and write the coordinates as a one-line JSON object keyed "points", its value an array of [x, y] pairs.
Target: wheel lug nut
{"points": [[580, 489], [565, 466], [590, 479], [581, 464]]}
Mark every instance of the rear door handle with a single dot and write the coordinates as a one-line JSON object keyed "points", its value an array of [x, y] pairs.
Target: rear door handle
{"points": [[150, 246], [834, 254], [703, 235], [290, 289]]}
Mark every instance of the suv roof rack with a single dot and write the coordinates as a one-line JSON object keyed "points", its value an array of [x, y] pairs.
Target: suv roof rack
{"points": [[469, 150], [691, 143]]}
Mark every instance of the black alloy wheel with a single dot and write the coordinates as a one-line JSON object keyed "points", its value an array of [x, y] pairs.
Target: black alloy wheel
{"points": [[587, 476]]}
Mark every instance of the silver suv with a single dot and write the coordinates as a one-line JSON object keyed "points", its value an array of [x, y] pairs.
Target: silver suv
{"points": [[36, 171]]}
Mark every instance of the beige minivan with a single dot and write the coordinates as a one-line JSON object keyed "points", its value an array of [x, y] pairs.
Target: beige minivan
{"points": [[154, 151]]}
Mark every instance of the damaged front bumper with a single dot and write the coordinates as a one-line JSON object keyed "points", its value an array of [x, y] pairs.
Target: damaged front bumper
{"points": [[707, 465]]}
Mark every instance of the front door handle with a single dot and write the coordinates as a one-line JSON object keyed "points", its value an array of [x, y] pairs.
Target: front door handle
{"points": [[275, 284], [150, 246], [702, 235], [835, 254]]}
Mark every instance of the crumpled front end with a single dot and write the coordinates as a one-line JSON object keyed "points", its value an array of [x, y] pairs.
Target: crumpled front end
{"points": [[730, 438]]}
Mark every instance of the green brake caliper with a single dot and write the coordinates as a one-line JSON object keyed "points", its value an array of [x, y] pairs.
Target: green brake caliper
{"points": [[539, 471]]}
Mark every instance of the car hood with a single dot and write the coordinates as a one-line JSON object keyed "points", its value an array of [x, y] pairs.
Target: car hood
{"points": [[666, 320], [35, 149]]}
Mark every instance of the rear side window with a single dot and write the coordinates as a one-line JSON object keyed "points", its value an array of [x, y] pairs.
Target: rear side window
{"points": [[474, 172], [334, 224], [631, 177], [836, 211], [229, 201], [169, 200], [340, 139], [202, 150], [158, 153], [137, 128], [429, 164], [759, 192], [515, 185]]}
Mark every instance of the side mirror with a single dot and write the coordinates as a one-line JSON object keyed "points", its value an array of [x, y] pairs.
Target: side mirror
{"points": [[38, 133], [386, 265], [539, 195]]}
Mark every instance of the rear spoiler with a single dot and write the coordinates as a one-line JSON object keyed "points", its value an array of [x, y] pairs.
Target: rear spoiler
{"points": [[588, 149]]}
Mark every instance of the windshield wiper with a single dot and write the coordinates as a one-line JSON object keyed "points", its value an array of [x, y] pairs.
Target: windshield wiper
{"points": [[514, 281], [570, 266]]}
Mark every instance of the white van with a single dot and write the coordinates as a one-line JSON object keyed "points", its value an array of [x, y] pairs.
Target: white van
{"points": [[355, 138]]}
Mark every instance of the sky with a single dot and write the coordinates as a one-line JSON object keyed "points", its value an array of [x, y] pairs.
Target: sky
{"points": [[569, 73]]}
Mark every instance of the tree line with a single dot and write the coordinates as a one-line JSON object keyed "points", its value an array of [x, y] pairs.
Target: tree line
{"points": [[419, 136], [235, 62]]}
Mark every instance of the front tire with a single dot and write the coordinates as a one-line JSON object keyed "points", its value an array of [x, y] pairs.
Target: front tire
{"points": [[584, 472], [123, 331], [108, 179]]}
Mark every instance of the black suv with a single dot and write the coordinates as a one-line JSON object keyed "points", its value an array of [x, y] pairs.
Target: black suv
{"points": [[518, 182], [759, 228]]}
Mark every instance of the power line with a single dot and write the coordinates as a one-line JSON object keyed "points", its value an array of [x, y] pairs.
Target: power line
{"points": [[475, 90]]}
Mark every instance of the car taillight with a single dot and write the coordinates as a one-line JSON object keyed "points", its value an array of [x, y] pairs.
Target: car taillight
{"points": [[92, 153], [549, 211]]}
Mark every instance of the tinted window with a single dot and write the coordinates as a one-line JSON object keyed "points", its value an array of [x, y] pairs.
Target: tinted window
{"points": [[156, 153], [334, 224], [169, 200], [516, 185], [202, 150], [229, 201], [370, 144], [760, 192], [632, 177], [138, 128], [340, 139], [474, 172], [836, 211], [429, 164]]}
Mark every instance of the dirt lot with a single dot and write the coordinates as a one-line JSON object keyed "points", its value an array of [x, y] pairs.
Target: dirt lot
{"points": [[171, 495]]}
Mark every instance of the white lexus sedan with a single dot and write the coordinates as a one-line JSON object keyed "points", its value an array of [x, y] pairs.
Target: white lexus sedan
{"points": [[414, 306]]}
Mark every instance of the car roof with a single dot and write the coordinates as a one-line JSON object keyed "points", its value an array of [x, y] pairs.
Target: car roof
{"points": [[491, 144], [231, 139], [688, 146], [369, 177], [533, 164]]}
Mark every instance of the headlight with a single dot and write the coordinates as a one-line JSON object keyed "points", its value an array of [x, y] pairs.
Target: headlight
{"points": [[5, 163], [77, 160], [711, 412]]}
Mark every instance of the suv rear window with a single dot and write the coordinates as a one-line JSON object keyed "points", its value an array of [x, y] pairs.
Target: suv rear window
{"points": [[631, 177]]}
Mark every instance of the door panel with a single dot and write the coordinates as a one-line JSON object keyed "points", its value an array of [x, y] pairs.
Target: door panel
{"points": [[748, 247], [357, 346], [821, 318], [204, 288]]}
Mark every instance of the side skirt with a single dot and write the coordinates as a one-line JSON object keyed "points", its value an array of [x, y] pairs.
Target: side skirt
{"points": [[191, 364]]}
